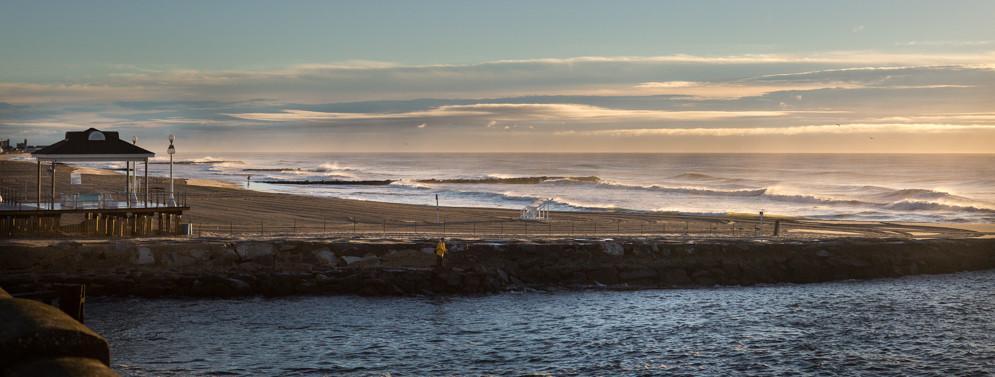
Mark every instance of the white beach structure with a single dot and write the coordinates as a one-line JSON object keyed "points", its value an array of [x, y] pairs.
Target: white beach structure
{"points": [[537, 211]]}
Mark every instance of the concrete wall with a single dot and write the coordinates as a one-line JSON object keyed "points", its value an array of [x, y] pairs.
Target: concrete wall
{"points": [[39, 340]]}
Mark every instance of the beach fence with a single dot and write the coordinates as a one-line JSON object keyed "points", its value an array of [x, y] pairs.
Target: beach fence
{"points": [[485, 228]]}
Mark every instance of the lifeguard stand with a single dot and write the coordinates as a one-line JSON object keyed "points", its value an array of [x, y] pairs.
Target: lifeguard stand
{"points": [[537, 211]]}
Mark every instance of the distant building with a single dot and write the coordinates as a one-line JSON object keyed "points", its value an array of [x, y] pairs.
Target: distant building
{"points": [[4, 145]]}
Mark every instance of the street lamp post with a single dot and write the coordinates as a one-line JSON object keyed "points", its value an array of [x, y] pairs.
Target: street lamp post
{"points": [[171, 151]]}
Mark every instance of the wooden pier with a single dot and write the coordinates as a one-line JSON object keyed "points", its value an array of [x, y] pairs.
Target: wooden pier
{"points": [[112, 222]]}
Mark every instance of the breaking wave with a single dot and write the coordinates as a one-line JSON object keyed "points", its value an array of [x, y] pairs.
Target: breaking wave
{"points": [[510, 180], [197, 161]]}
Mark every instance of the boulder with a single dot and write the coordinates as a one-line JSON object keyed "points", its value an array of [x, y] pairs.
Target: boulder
{"points": [[254, 250], [675, 276], [408, 258], [144, 256], [325, 257], [613, 249], [642, 275], [368, 260]]}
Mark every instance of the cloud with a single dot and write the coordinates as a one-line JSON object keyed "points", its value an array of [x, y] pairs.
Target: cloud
{"points": [[857, 29], [668, 84], [695, 75], [517, 112], [752, 94], [737, 89], [945, 43], [842, 129]]}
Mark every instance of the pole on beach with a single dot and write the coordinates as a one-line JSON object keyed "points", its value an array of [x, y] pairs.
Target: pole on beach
{"points": [[437, 208], [171, 151]]}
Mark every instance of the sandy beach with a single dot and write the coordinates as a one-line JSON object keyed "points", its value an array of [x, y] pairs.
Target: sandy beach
{"points": [[221, 207]]}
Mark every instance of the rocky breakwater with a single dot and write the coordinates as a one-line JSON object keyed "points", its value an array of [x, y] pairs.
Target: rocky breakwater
{"points": [[275, 267]]}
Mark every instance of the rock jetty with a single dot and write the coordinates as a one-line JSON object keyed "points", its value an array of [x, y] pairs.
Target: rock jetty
{"points": [[278, 267]]}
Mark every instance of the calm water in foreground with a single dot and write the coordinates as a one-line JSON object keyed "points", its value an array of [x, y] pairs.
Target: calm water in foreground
{"points": [[938, 325]]}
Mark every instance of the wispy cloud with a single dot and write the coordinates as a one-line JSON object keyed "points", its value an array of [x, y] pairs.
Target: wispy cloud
{"points": [[695, 75], [841, 129], [945, 43], [518, 112]]}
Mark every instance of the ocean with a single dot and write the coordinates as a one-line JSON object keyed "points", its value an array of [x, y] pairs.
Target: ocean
{"points": [[877, 187], [922, 325]]}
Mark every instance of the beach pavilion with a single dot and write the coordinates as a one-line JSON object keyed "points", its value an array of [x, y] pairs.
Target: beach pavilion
{"points": [[103, 214], [93, 145]]}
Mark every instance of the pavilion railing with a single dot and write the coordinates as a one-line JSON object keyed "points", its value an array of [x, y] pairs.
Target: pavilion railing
{"points": [[14, 200]]}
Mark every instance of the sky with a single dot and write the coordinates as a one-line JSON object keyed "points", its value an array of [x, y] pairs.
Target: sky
{"points": [[505, 76]]}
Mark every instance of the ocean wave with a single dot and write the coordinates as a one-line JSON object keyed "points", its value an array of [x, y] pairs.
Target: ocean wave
{"points": [[522, 199], [509, 180], [693, 176], [411, 184], [326, 170], [917, 205], [207, 160], [330, 182], [334, 166], [704, 191], [918, 194]]}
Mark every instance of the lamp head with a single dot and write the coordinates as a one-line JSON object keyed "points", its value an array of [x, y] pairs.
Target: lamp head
{"points": [[171, 138]]}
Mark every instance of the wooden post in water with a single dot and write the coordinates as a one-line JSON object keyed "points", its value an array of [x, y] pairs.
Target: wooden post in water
{"points": [[72, 299]]}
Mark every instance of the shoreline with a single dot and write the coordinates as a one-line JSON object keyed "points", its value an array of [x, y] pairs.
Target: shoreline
{"points": [[216, 206]]}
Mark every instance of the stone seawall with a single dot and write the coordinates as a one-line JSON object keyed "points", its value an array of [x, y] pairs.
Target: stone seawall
{"points": [[225, 268]]}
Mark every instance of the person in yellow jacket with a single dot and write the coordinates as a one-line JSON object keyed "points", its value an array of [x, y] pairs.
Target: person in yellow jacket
{"points": [[440, 252]]}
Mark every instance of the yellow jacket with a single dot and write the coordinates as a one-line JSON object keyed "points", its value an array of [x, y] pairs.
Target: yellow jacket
{"points": [[440, 249]]}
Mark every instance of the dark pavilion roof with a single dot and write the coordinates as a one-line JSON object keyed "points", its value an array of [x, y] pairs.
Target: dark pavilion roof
{"points": [[92, 143]]}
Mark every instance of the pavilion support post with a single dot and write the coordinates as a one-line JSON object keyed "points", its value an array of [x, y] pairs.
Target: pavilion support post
{"points": [[146, 171], [51, 204], [38, 197], [127, 182]]}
